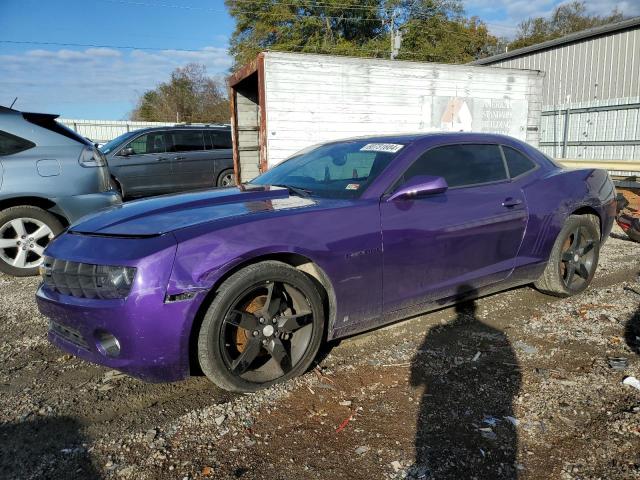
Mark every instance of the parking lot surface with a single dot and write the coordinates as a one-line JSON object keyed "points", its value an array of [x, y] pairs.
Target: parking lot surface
{"points": [[514, 385]]}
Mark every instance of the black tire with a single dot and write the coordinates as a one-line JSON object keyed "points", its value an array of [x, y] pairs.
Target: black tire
{"points": [[259, 354], [224, 177], [32, 219], [567, 274]]}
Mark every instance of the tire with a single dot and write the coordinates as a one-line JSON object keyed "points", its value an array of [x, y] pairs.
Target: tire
{"points": [[34, 228], [226, 178], [557, 278], [257, 354]]}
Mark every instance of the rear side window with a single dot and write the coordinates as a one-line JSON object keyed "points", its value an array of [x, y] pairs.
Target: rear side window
{"points": [[187, 141], [10, 144], [149, 143], [461, 165], [217, 139], [517, 163]]}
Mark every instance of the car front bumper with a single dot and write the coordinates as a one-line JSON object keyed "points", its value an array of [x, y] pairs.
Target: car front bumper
{"points": [[77, 206], [153, 334]]}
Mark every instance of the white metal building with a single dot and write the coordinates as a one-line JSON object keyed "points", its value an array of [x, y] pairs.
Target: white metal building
{"points": [[591, 92]]}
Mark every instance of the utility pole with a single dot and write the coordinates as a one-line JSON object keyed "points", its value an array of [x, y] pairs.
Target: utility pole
{"points": [[396, 37]]}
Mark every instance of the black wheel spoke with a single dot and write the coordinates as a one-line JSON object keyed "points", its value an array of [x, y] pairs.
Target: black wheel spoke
{"points": [[571, 270], [244, 320], [582, 271], [291, 323], [567, 256], [246, 357], [588, 246], [279, 353], [577, 238], [274, 299]]}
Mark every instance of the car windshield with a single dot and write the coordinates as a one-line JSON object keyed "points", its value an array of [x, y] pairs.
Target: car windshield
{"points": [[335, 170], [109, 146]]}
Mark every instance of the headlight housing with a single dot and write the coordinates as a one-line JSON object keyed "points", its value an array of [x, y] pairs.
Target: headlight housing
{"points": [[86, 280]]}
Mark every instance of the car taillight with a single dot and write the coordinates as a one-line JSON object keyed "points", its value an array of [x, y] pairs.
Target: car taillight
{"points": [[91, 157]]}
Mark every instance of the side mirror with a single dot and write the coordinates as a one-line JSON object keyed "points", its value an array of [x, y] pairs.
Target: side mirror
{"points": [[125, 152], [420, 186]]}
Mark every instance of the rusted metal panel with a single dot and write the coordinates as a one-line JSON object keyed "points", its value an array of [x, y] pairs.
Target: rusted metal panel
{"points": [[262, 114]]}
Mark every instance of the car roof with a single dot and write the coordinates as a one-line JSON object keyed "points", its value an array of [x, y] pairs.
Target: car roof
{"points": [[183, 127], [407, 138]]}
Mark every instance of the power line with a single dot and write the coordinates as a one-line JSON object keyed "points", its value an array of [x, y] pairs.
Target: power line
{"points": [[93, 45]]}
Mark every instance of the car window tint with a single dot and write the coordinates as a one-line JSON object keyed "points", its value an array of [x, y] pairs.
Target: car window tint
{"points": [[149, 143], [461, 165], [10, 144], [352, 166], [221, 139], [517, 163], [187, 141]]}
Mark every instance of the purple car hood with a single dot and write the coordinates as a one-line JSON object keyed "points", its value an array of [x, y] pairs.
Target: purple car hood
{"points": [[167, 213]]}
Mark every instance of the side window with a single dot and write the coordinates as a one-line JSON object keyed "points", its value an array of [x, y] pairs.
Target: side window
{"points": [[187, 141], [517, 163], [221, 139], [10, 144], [460, 165], [149, 143]]}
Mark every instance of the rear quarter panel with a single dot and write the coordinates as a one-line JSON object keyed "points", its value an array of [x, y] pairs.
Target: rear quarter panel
{"points": [[555, 195]]}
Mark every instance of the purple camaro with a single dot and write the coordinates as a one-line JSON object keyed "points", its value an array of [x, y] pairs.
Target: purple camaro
{"points": [[245, 283]]}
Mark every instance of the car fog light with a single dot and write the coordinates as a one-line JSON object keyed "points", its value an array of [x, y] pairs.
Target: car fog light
{"points": [[107, 344]]}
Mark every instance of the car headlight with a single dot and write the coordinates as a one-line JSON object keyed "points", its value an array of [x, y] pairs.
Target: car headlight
{"points": [[87, 280]]}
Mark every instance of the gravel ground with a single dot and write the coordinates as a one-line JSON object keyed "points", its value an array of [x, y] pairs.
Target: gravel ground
{"points": [[514, 385]]}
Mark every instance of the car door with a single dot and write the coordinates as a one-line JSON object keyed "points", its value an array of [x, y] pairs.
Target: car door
{"points": [[143, 166], [192, 164], [470, 234]]}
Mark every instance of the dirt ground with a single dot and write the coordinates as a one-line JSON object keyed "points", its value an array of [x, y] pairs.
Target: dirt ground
{"points": [[514, 385]]}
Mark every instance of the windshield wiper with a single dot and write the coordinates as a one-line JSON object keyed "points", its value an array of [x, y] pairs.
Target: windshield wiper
{"points": [[301, 192]]}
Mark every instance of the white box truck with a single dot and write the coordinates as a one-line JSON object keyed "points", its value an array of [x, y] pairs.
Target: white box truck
{"points": [[284, 102]]}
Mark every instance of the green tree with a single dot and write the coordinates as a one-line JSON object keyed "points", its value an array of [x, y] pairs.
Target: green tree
{"points": [[565, 19], [189, 96], [433, 30]]}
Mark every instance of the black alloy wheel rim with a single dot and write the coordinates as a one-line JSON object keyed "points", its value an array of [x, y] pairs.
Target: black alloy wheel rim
{"points": [[266, 332], [578, 258]]}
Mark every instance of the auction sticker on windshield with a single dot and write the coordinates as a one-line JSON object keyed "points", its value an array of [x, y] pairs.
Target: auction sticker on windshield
{"points": [[382, 147]]}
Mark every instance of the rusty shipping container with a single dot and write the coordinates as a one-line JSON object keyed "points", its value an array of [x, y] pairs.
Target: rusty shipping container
{"points": [[284, 102]]}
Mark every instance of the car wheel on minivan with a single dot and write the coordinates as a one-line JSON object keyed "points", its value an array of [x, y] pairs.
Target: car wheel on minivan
{"points": [[574, 257], [226, 178], [265, 325], [25, 231]]}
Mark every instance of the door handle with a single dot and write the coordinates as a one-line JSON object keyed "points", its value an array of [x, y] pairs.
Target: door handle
{"points": [[511, 202], [179, 158], [162, 159]]}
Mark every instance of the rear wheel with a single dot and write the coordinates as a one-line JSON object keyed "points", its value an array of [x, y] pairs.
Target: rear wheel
{"points": [[25, 232], [264, 326], [226, 178], [574, 257]]}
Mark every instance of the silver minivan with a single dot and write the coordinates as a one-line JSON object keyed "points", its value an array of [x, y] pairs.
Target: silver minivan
{"points": [[49, 177]]}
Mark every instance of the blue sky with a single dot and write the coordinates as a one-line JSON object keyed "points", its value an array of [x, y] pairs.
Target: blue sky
{"points": [[102, 82]]}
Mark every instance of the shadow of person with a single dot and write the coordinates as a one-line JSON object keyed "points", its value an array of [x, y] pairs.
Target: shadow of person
{"points": [[51, 447], [470, 374]]}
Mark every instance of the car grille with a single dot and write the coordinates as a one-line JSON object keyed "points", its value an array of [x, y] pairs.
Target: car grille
{"points": [[84, 280], [70, 334]]}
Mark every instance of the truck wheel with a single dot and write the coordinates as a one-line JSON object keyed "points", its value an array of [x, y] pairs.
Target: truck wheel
{"points": [[25, 231], [574, 257], [264, 326], [226, 179]]}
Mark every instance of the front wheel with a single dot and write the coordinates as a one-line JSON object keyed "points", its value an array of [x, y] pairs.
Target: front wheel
{"points": [[574, 257], [25, 232], [265, 325]]}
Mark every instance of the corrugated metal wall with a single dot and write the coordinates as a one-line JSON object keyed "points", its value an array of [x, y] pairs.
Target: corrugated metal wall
{"points": [[598, 81], [101, 131]]}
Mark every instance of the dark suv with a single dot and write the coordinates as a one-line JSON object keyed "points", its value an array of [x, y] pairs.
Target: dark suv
{"points": [[153, 161]]}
